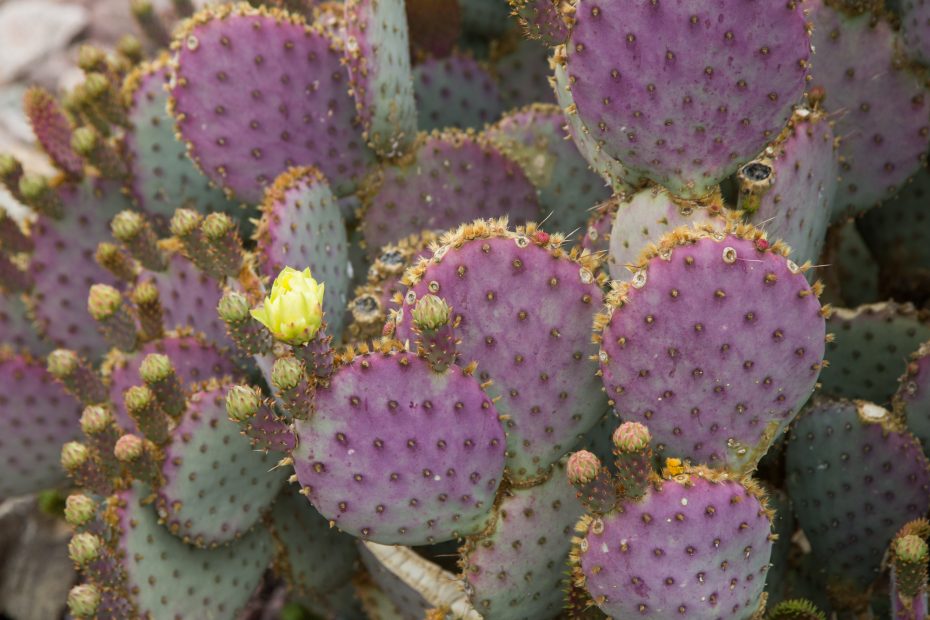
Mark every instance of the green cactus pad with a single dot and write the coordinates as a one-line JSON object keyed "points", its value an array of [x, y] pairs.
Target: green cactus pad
{"points": [[37, 416], [645, 217], [378, 54], [215, 485], [896, 234], [166, 578], [871, 345], [17, 329], [302, 537], [913, 395], [521, 67], [515, 570], [163, 178], [839, 445], [849, 269], [301, 227], [535, 138]]}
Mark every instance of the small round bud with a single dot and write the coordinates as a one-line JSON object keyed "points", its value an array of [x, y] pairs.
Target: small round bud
{"points": [[138, 398], [286, 373], [216, 226], [431, 313], [910, 548], [242, 402], [126, 225], [62, 362], [583, 467], [128, 448], [184, 222], [91, 58], [84, 140], [233, 307], [96, 85], [156, 368], [146, 293], [73, 455], [130, 47], [10, 166], [631, 437], [84, 548], [83, 600], [103, 301], [33, 186], [79, 509], [96, 419]]}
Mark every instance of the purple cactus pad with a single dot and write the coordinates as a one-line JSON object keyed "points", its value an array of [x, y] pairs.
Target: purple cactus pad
{"points": [[399, 454], [685, 91], [714, 345], [257, 91]]}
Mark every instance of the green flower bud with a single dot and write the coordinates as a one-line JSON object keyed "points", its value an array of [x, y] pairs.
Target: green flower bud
{"points": [[103, 301], [79, 509], [84, 548], [242, 402], [430, 313], [83, 600]]}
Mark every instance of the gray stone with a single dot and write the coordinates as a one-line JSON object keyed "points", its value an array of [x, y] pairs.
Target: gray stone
{"points": [[31, 30]]}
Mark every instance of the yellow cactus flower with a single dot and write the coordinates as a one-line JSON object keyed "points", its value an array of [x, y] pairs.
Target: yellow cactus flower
{"points": [[294, 310]]}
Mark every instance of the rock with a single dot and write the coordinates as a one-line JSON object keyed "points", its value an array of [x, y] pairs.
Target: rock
{"points": [[30, 30], [35, 571]]}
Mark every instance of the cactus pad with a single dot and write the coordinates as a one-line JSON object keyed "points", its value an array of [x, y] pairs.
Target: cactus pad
{"points": [[839, 445], [851, 273], [215, 485], [167, 578], [896, 235], [648, 215], [871, 347], [64, 267], [378, 54], [257, 91], [301, 227], [163, 178], [302, 537], [16, 328], [522, 70], [521, 298], [516, 569], [455, 91], [616, 174], [915, 19], [687, 119], [789, 191], [913, 395], [188, 298], [534, 137], [37, 416], [194, 360], [714, 345], [451, 177], [398, 453], [696, 546], [883, 104]]}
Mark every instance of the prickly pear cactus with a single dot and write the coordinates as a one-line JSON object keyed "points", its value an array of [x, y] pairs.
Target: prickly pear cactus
{"points": [[837, 445], [648, 215], [511, 293], [726, 410], [718, 530], [790, 189], [686, 120], [291, 115], [398, 453], [884, 120], [449, 178], [869, 352], [37, 416]]}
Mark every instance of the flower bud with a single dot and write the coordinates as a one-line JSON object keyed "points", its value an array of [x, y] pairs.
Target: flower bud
{"points": [[103, 301], [79, 509], [583, 467], [128, 448], [83, 600], [84, 548], [242, 402], [431, 313], [74, 455]]}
